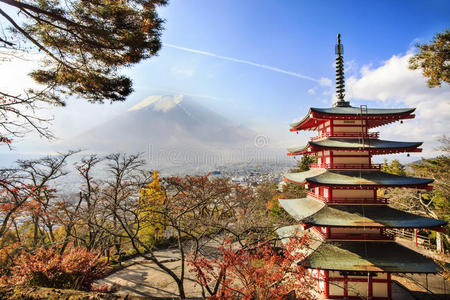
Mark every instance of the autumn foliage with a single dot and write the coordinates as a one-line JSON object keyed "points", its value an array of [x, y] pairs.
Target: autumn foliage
{"points": [[75, 269], [261, 272]]}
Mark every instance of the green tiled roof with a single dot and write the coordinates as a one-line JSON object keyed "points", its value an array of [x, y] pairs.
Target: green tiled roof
{"points": [[300, 209], [369, 256], [315, 213], [355, 111], [295, 230], [355, 177], [356, 144]]}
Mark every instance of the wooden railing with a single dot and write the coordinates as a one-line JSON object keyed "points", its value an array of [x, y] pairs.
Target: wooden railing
{"points": [[419, 240], [347, 166], [319, 197], [360, 236], [342, 200], [378, 200], [370, 135]]}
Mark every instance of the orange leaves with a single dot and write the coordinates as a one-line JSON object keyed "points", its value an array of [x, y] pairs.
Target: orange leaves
{"points": [[262, 272], [77, 268]]}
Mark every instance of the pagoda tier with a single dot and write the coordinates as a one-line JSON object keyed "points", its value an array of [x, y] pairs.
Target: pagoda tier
{"points": [[355, 179], [365, 257], [349, 145], [316, 213], [318, 118]]}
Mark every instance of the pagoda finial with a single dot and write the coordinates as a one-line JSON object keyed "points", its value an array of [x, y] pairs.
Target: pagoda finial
{"points": [[340, 80]]}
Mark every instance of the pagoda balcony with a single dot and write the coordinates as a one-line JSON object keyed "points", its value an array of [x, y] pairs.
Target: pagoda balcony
{"points": [[369, 135], [347, 166], [347, 201], [361, 236]]}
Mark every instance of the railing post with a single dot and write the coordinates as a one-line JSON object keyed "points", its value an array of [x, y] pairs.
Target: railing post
{"points": [[415, 235]]}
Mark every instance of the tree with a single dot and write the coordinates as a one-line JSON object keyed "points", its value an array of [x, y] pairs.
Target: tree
{"points": [[84, 43], [435, 203], [303, 164], [395, 167], [151, 199], [434, 59], [29, 184], [262, 272]]}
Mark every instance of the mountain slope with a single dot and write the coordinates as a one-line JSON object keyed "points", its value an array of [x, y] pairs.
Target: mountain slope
{"points": [[175, 126]]}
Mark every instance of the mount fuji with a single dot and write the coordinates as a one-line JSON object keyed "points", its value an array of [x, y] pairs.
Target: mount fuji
{"points": [[174, 131]]}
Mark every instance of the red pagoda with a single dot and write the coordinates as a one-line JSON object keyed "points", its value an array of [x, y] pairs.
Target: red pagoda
{"points": [[352, 254]]}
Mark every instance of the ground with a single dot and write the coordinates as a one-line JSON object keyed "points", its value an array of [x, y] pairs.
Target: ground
{"points": [[144, 278]]}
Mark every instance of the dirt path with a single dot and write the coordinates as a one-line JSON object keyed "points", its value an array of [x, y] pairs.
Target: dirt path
{"points": [[145, 278]]}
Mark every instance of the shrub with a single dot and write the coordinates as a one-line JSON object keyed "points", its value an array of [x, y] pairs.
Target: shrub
{"points": [[75, 269]]}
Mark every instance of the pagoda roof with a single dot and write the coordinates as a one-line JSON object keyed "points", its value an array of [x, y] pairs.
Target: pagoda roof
{"points": [[354, 111], [359, 256], [354, 178], [374, 145], [375, 116], [314, 212], [369, 257]]}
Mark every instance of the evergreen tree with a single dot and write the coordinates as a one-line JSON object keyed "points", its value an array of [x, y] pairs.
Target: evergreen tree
{"points": [[395, 167], [84, 43], [434, 59], [303, 164]]}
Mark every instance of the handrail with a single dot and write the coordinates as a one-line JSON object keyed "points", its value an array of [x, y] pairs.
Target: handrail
{"points": [[319, 197], [342, 200], [370, 135], [346, 166], [378, 200], [357, 236]]}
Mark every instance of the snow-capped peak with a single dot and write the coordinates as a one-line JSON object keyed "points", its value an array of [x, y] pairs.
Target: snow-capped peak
{"points": [[160, 103]]}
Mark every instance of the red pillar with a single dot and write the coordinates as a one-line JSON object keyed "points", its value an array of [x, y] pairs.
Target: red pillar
{"points": [[327, 286], [345, 286], [389, 286]]}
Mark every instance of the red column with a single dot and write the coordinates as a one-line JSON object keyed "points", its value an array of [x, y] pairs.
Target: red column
{"points": [[370, 288], [327, 286], [345, 286], [331, 157], [389, 286]]}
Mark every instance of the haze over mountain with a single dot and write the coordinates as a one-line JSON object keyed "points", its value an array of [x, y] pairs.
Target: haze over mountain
{"points": [[177, 131]]}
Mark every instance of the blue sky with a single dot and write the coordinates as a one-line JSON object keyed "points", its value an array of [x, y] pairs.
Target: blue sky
{"points": [[291, 36]]}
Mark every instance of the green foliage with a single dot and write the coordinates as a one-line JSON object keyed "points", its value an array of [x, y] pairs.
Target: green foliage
{"points": [[395, 167], [439, 169], [303, 164], [85, 42], [434, 59], [293, 191]]}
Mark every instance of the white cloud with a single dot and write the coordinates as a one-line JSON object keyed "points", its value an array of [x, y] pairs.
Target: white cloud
{"points": [[395, 85]]}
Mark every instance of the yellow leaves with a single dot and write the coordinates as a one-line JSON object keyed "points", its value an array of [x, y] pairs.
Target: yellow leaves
{"points": [[152, 194]]}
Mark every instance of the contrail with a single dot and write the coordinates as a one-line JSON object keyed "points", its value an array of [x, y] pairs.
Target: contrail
{"points": [[322, 81]]}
